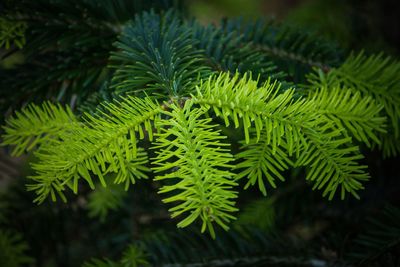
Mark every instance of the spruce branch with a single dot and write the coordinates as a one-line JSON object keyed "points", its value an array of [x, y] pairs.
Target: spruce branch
{"points": [[34, 125], [372, 76], [351, 111], [280, 130], [190, 151], [332, 161], [156, 53], [258, 162], [107, 144], [290, 124]]}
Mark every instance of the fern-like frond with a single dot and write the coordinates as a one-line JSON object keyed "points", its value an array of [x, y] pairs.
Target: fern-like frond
{"points": [[35, 125], [288, 123], [157, 53], [258, 162], [240, 101], [351, 111], [107, 144], [333, 162], [375, 76], [195, 165]]}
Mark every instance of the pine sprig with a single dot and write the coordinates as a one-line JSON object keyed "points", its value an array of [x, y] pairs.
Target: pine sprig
{"points": [[35, 125], [107, 144], [258, 162], [237, 100], [332, 161], [156, 53], [240, 101], [286, 131], [192, 154], [375, 76], [351, 111], [290, 124]]}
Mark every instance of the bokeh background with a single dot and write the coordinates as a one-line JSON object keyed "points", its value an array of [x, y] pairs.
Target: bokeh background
{"points": [[371, 25]]}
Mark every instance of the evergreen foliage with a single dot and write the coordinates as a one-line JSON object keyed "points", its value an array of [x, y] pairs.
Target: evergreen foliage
{"points": [[37, 124], [106, 144], [138, 94], [65, 60], [201, 163], [161, 57], [189, 149], [375, 76]]}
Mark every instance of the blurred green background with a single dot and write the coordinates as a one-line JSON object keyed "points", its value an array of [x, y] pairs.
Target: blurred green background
{"points": [[369, 25], [355, 24]]}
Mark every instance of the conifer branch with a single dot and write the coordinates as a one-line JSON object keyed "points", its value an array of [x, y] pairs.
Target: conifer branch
{"points": [[190, 150], [35, 125], [351, 111], [105, 145], [289, 124], [258, 162], [157, 53], [374, 76]]}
